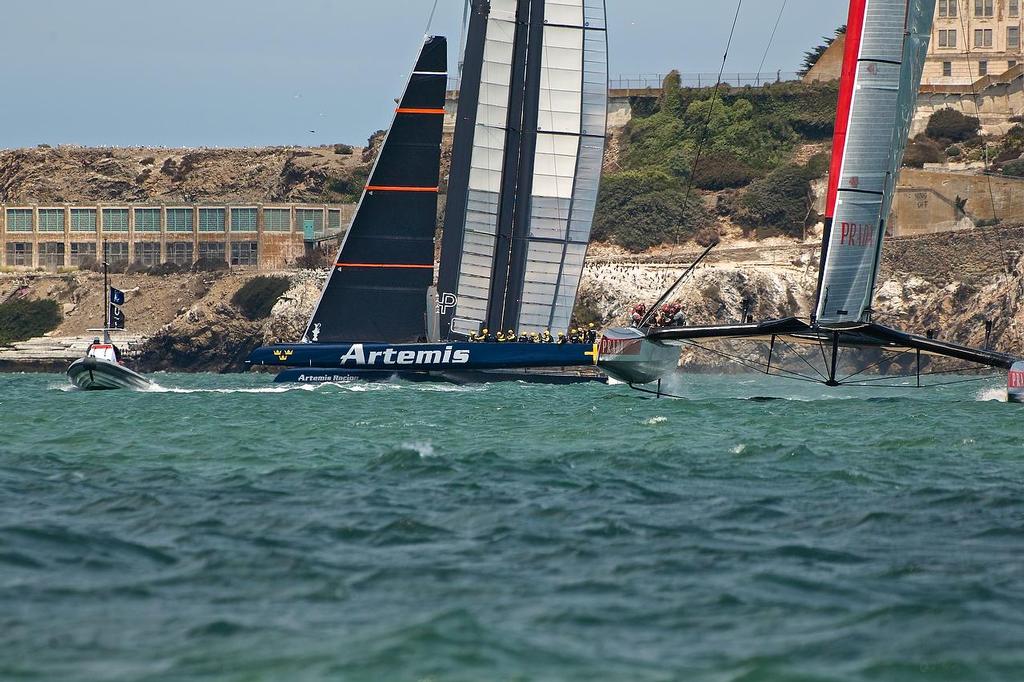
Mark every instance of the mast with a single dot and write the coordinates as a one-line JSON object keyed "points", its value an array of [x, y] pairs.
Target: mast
{"points": [[520, 145], [462, 154], [106, 293]]}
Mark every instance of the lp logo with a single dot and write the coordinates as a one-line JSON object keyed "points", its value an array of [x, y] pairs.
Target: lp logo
{"points": [[446, 302]]}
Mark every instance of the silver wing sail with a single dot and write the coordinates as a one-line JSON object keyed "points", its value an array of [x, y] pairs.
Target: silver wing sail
{"points": [[887, 41], [526, 164], [570, 145]]}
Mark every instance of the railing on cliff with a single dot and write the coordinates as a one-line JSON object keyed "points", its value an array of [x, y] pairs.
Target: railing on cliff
{"points": [[654, 81]]}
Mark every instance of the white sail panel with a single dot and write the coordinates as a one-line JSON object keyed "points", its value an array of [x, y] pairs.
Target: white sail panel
{"points": [[488, 156], [888, 40], [572, 125]]}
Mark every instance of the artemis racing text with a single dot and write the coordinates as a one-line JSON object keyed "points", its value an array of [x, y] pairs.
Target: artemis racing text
{"points": [[358, 356]]}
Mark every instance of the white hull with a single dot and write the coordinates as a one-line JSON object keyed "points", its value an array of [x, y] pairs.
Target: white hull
{"points": [[94, 374]]}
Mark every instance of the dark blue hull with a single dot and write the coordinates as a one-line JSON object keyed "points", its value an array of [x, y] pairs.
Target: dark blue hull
{"points": [[565, 377], [444, 358]]}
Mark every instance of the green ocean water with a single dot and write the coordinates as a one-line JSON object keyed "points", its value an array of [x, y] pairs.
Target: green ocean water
{"points": [[225, 529]]}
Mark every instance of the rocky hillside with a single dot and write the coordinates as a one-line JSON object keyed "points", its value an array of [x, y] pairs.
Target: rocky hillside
{"points": [[139, 174], [951, 284]]}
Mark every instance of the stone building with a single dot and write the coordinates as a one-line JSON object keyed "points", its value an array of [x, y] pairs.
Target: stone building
{"points": [[972, 39], [248, 236]]}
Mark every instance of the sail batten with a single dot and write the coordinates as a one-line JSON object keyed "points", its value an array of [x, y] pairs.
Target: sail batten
{"points": [[886, 45]]}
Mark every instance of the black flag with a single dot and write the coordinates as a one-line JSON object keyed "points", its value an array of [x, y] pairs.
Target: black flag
{"points": [[116, 317], [116, 296]]}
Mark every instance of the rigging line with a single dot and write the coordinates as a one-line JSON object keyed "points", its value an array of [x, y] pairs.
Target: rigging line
{"points": [[750, 364], [894, 358], [771, 39], [977, 110], [706, 127], [958, 370], [918, 388], [803, 359], [430, 19]]}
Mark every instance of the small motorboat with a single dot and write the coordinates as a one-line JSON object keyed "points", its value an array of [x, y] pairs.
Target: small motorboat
{"points": [[102, 369]]}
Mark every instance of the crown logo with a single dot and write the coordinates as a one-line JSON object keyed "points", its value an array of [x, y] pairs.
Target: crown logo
{"points": [[283, 355]]}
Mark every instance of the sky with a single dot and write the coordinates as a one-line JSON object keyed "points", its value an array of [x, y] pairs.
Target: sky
{"points": [[238, 73]]}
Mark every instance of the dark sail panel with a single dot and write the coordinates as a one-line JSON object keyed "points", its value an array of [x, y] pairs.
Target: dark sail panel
{"points": [[377, 291]]}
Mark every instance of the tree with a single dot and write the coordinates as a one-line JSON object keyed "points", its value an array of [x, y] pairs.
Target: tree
{"points": [[811, 58]]}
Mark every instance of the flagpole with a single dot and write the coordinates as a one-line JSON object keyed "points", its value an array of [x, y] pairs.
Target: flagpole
{"points": [[106, 294]]}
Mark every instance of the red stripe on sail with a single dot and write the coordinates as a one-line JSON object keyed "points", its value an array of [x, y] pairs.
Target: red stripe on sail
{"points": [[854, 33]]}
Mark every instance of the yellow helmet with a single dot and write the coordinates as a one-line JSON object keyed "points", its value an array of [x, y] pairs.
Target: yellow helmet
{"points": [[590, 326], [484, 331], [510, 332]]}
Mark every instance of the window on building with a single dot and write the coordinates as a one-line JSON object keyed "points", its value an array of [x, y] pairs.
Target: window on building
{"points": [[147, 220], [115, 220], [179, 220], [277, 220], [51, 255], [83, 220], [19, 220], [983, 68], [982, 37], [947, 38], [947, 69], [334, 220], [244, 253], [947, 8], [116, 253], [212, 252], [179, 253], [306, 218], [51, 220], [243, 219], [1013, 37], [211, 219], [83, 253], [19, 253], [983, 8], [147, 253], [1014, 8]]}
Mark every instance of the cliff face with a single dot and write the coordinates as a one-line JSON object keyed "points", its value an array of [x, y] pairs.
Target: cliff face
{"points": [[77, 174]]}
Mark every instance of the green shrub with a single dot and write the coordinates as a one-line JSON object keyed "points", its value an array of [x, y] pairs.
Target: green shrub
{"points": [[257, 297], [921, 152], [21, 319], [1014, 169], [343, 149], [760, 125], [781, 201], [950, 124], [638, 210], [722, 170]]}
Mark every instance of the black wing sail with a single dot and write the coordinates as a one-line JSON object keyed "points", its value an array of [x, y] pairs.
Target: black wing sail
{"points": [[377, 290]]}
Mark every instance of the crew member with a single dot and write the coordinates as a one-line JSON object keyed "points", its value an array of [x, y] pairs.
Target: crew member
{"points": [[591, 333], [561, 339], [546, 337]]}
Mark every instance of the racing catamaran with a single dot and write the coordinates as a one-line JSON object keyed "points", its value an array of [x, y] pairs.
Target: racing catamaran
{"points": [[526, 165], [886, 45]]}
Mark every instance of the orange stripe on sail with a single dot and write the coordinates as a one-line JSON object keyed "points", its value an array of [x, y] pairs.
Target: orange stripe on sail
{"points": [[413, 110], [399, 266], [384, 188]]}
